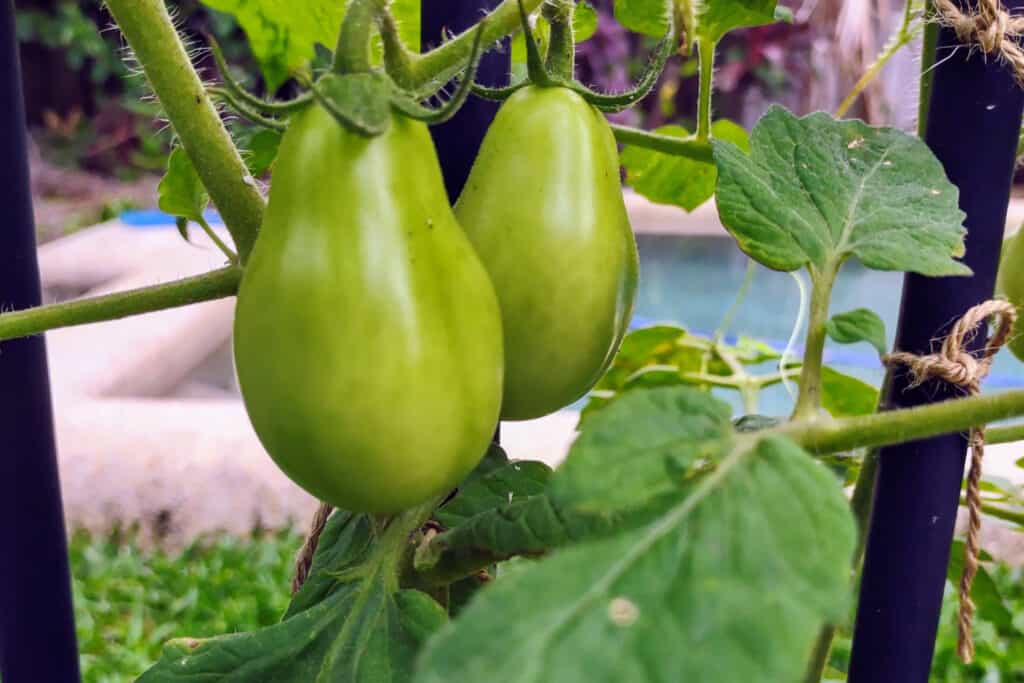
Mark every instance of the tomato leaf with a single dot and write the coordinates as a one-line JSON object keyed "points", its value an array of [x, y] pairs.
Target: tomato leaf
{"points": [[643, 16], [814, 191], [501, 486], [345, 542], [523, 527], [345, 625], [675, 180], [622, 458], [984, 592], [858, 325], [282, 33], [715, 18], [181, 192], [354, 635], [261, 150], [730, 583], [845, 396], [584, 21]]}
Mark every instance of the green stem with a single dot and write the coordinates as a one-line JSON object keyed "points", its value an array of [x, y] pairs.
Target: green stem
{"points": [[396, 543], [352, 54], [706, 54], [900, 38], [691, 148], [1002, 513], [1005, 434], [928, 46], [150, 32], [741, 295], [561, 44], [808, 400], [215, 238], [443, 63], [216, 284], [768, 380], [820, 435], [246, 111]]}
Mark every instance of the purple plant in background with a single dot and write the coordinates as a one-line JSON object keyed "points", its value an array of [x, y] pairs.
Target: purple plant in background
{"points": [[755, 65], [604, 60]]}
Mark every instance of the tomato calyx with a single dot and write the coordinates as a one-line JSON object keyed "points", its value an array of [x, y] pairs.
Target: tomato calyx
{"points": [[557, 70], [359, 99]]}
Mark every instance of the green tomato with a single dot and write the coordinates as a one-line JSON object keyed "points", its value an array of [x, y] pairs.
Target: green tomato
{"points": [[367, 333], [1010, 283], [543, 207]]}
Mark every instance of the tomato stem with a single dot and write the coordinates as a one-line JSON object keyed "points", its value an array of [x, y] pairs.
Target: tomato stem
{"points": [[352, 54], [690, 147], [215, 284], [148, 28], [561, 56], [706, 54], [808, 400], [443, 63]]}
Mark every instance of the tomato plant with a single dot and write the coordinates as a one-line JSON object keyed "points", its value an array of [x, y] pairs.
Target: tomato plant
{"points": [[380, 333]]}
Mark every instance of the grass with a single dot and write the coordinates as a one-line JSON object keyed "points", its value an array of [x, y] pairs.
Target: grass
{"points": [[129, 601]]}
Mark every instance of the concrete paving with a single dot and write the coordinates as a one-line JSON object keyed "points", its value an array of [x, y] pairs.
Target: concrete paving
{"points": [[150, 427]]}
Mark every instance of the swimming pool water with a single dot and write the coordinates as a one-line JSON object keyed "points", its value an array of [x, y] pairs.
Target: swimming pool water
{"points": [[692, 280]]}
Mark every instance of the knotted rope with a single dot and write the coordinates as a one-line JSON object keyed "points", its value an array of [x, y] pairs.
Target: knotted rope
{"points": [[990, 27], [955, 365], [304, 560]]}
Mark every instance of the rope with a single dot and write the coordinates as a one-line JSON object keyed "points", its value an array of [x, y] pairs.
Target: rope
{"points": [[955, 365], [304, 560], [990, 27]]}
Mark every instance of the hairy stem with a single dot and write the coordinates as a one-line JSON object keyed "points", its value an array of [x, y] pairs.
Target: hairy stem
{"points": [[706, 53], [216, 284], [352, 54], [690, 148], [808, 400], [898, 426], [561, 43], [442, 64], [150, 32]]}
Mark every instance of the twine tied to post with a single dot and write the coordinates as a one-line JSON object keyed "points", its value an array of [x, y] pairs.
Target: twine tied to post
{"points": [[955, 365], [990, 27], [304, 560]]}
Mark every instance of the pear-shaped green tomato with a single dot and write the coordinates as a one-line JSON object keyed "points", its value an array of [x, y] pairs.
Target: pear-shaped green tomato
{"points": [[1010, 283], [367, 334], [543, 207]]}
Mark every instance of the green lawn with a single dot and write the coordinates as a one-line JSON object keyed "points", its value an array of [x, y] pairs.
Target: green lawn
{"points": [[129, 601]]}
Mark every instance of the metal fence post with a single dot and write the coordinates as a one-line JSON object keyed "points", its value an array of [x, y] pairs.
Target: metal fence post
{"points": [[973, 126], [37, 631]]}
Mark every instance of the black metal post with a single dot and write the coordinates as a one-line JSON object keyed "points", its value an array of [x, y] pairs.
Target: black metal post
{"points": [[973, 125], [458, 140], [37, 630]]}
